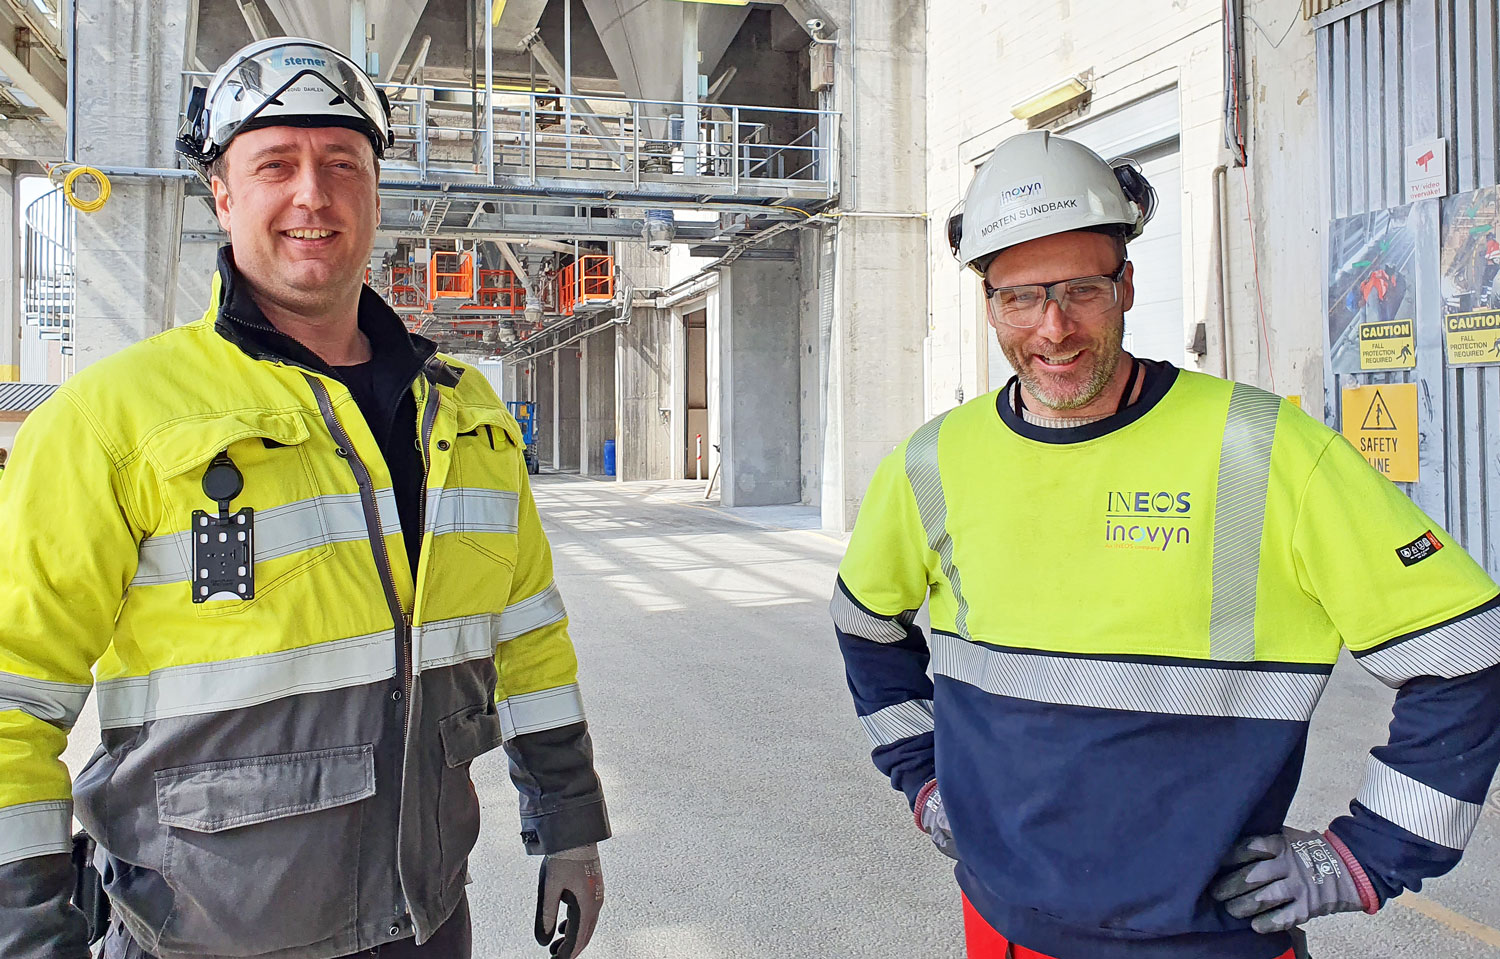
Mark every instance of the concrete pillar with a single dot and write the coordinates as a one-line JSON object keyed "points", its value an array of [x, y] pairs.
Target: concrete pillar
{"points": [[649, 426], [11, 320], [644, 386], [128, 91], [569, 393], [872, 344], [599, 421], [546, 409], [759, 382]]}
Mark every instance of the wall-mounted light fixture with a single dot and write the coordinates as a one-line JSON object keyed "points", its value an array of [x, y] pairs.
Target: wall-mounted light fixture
{"points": [[1052, 99]]}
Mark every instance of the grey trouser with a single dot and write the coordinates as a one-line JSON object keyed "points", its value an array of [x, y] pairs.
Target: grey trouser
{"points": [[453, 940]]}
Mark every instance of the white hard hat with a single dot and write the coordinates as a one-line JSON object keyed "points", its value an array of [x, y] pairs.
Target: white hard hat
{"points": [[283, 81], [1036, 184]]}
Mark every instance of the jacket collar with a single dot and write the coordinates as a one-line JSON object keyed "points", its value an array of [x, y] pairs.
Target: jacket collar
{"points": [[241, 322]]}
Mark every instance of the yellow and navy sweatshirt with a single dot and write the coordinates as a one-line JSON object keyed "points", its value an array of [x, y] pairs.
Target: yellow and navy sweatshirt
{"points": [[1132, 622]]}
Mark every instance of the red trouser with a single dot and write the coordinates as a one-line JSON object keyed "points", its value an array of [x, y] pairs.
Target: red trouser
{"points": [[985, 943]]}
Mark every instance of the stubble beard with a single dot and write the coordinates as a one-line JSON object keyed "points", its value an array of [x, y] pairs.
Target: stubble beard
{"points": [[1108, 348]]}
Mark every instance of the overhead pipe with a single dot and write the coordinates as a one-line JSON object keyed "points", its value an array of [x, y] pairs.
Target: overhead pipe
{"points": [[253, 19], [559, 79], [1221, 231], [417, 63], [615, 321], [70, 124]]}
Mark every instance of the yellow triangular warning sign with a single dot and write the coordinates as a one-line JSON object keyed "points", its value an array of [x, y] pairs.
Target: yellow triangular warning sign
{"points": [[1378, 417]]}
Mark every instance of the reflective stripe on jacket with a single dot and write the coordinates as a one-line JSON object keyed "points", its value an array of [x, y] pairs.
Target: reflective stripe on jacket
{"points": [[284, 775]]}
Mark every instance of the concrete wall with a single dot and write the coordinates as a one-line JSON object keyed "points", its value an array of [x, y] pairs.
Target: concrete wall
{"points": [[760, 383], [129, 85], [872, 344], [568, 420], [10, 275], [1287, 228], [545, 370], [811, 362], [974, 75], [598, 404], [644, 388]]}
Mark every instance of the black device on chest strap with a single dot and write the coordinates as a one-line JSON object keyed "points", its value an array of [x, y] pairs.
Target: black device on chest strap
{"points": [[223, 544]]}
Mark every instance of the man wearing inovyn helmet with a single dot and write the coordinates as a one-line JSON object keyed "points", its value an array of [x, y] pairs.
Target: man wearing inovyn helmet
{"points": [[298, 551], [1111, 768]]}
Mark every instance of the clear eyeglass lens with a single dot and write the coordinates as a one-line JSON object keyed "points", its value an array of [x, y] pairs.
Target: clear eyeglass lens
{"points": [[1085, 296]]}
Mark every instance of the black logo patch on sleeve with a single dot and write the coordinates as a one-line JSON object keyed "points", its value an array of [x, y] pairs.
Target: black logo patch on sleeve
{"points": [[1418, 549]]}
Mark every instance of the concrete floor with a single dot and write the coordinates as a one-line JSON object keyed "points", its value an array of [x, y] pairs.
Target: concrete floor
{"points": [[748, 820]]}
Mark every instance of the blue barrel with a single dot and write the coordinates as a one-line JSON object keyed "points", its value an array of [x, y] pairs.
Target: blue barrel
{"points": [[609, 457]]}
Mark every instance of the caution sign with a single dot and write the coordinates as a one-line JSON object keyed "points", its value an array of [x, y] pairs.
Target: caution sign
{"points": [[1387, 346], [1381, 422], [1473, 337]]}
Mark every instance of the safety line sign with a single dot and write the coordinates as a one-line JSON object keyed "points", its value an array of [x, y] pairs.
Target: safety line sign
{"points": [[1387, 346], [1473, 337], [1381, 422]]}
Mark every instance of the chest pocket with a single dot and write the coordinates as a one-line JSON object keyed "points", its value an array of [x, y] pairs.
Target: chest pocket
{"points": [[294, 526], [481, 505]]}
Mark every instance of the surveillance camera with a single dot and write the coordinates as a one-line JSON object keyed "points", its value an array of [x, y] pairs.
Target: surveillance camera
{"points": [[815, 26]]}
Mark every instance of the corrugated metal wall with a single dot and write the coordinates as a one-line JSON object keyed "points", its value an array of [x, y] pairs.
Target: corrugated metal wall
{"points": [[1391, 75]]}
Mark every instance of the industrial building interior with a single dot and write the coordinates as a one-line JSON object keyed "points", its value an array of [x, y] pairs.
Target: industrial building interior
{"points": [[651, 219]]}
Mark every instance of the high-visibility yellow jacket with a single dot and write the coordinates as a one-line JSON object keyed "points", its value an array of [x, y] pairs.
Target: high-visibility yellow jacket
{"points": [[285, 774], [1132, 622]]}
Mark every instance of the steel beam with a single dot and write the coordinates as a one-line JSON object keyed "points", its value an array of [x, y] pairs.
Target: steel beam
{"points": [[31, 86]]}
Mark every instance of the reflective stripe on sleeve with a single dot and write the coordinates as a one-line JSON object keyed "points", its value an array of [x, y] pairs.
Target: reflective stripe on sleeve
{"points": [[925, 476], [534, 712], [1134, 686], [465, 509], [902, 721], [855, 620], [1456, 648], [452, 641], [1239, 520], [35, 829], [47, 700], [532, 613], [1416, 807], [248, 681], [279, 531]]}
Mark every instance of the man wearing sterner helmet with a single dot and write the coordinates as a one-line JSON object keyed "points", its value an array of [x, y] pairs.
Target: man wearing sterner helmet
{"points": [[297, 560], [1139, 579]]}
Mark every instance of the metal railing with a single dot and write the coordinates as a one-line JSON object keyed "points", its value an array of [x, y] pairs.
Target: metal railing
{"points": [[47, 277], [444, 130]]}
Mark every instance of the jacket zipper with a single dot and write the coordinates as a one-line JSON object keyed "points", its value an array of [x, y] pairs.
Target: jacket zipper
{"points": [[429, 417]]}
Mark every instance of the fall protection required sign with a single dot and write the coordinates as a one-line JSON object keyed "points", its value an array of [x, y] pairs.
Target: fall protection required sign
{"points": [[1387, 346], [1473, 337], [1381, 422]]}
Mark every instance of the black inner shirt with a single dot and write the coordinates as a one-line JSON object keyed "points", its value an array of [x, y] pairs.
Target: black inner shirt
{"points": [[385, 400]]}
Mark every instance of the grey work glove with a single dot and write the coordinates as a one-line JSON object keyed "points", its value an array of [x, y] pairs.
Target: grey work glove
{"points": [[1283, 880], [575, 877], [933, 819]]}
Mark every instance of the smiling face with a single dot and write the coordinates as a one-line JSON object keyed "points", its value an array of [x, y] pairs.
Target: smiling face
{"points": [[1071, 366], [301, 207]]}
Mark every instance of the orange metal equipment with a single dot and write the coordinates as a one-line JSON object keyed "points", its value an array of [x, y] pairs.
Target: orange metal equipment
{"points": [[406, 288], [567, 289], [451, 275], [499, 290], [598, 279]]}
